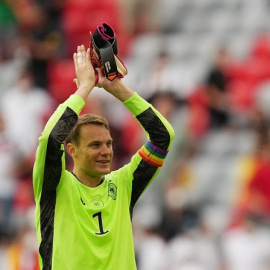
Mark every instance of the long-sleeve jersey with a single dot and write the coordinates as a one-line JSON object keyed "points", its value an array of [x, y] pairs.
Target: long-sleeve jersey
{"points": [[83, 228]]}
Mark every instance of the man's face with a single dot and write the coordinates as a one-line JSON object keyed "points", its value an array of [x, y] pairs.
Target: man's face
{"points": [[94, 153]]}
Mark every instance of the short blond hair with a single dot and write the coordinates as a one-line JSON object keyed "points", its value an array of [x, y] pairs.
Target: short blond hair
{"points": [[85, 119]]}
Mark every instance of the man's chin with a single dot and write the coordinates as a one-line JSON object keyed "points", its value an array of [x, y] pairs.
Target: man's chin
{"points": [[104, 171]]}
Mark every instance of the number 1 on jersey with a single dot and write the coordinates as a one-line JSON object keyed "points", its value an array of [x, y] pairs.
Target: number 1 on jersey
{"points": [[100, 223]]}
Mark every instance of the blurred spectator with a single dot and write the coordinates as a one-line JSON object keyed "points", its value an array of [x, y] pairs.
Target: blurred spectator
{"points": [[9, 72], [198, 117], [4, 242], [177, 189], [22, 252], [253, 192], [247, 247], [7, 180], [194, 247], [140, 16], [10, 59], [168, 75], [25, 109], [54, 9], [44, 40], [216, 89], [151, 253], [8, 30], [11, 68]]}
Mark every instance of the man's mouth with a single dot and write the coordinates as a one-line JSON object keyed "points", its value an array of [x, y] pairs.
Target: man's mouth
{"points": [[103, 161]]}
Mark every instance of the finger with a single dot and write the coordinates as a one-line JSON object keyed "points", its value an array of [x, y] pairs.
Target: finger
{"points": [[83, 52], [75, 61], [76, 82], [79, 58], [99, 72], [88, 55]]}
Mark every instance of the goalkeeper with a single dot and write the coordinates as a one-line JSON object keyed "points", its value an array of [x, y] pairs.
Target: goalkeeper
{"points": [[83, 217]]}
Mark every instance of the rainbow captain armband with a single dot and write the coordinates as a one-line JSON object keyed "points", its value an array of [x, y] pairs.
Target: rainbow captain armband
{"points": [[152, 154]]}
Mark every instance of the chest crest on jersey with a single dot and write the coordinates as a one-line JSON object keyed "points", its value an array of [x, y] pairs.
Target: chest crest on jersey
{"points": [[112, 191]]}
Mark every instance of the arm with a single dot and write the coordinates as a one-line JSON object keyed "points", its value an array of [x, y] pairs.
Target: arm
{"points": [[49, 162], [116, 87], [146, 163], [158, 129]]}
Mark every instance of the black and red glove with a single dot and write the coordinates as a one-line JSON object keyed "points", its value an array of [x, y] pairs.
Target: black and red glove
{"points": [[103, 53]]}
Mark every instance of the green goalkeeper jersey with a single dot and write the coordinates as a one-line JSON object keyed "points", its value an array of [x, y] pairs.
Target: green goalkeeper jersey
{"points": [[83, 228]]}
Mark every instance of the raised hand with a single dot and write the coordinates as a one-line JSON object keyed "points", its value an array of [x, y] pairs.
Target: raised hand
{"points": [[85, 75]]}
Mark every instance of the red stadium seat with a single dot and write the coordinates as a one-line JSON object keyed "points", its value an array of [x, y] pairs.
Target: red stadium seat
{"points": [[241, 95], [198, 122], [61, 74], [261, 47], [252, 69], [82, 16]]}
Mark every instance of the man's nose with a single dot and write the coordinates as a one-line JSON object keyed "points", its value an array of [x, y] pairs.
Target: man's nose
{"points": [[105, 150]]}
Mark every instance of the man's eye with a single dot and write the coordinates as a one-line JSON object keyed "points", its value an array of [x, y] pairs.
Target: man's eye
{"points": [[95, 145]]}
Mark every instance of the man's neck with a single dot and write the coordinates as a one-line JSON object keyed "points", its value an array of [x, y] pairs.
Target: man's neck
{"points": [[88, 180]]}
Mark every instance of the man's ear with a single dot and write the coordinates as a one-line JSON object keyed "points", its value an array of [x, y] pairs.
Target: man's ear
{"points": [[71, 149]]}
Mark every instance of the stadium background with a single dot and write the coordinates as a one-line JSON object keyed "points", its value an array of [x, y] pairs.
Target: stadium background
{"points": [[205, 64]]}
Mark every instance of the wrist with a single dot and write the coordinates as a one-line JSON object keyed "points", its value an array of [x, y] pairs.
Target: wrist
{"points": [[84, 90], [86, 86], [121, 91]]}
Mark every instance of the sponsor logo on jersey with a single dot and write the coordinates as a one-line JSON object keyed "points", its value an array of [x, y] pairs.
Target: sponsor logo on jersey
{"points": [[112, 191], [82, 201]]}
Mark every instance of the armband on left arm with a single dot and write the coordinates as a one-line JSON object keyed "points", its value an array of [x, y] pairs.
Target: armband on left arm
{"points": [[152, 154]]}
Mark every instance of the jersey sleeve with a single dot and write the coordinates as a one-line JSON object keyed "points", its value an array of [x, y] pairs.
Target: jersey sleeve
{"points": [[146, 163], [50, 161], [48, 169]]}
